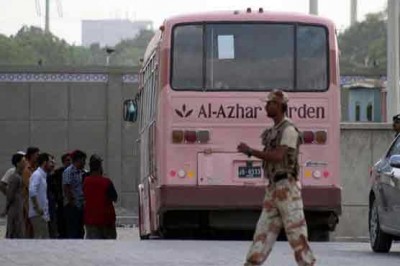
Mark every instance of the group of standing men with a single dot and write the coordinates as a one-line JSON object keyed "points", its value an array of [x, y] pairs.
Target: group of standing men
{"points": [[68, 202]]}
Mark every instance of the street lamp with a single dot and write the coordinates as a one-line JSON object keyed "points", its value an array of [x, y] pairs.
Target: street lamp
{"points": [[109, 51]]}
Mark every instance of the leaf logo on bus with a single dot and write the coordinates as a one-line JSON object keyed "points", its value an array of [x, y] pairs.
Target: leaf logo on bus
{"points": [[183, 113]]}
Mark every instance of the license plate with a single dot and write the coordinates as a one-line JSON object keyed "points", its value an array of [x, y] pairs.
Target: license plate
{"points": [[249, 171]]}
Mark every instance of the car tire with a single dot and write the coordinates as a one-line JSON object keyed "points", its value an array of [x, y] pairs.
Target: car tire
{"points": [[380, 241]]}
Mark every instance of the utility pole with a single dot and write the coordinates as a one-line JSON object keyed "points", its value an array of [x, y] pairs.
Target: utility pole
{"points": [[47, 19], [353, 12], [393, 64], [313, 7]]}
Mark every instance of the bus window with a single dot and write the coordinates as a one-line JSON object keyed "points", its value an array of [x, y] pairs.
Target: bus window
{"points": [[258, 61], [312, 58], [250, 56], [187, 57]]}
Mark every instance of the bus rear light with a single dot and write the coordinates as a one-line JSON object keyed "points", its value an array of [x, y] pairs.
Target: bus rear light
{"points": [[315, 137], [317, 174], [320, 137], [308, 137], [190, 174], [203, 136], [326, 174], [181, 173], [190, 136], [172, 173], [177, 136], [307, 173]]}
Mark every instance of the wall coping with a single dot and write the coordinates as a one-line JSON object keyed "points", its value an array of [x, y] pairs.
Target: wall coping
{"points": [[69, 69], [360, 126]]}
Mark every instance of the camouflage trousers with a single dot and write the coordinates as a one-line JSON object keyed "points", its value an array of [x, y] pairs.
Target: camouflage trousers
{"points": [[282, 207]]}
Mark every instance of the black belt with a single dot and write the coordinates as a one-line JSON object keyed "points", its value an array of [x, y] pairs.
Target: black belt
{"points": [[279, 177]]}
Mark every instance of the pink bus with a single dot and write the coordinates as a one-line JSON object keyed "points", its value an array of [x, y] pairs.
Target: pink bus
{"points": [[201, 82]]}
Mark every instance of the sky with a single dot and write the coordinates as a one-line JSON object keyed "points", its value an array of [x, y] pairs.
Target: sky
{"points": [[66, 15]]}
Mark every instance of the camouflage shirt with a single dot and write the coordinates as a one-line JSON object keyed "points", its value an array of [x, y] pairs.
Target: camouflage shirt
{"points": [[283, 134]]}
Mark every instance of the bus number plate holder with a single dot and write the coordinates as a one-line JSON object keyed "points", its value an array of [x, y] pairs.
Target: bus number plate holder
{"points": [[249, 171]]}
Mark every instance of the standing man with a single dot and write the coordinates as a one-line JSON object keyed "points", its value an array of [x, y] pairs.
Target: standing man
{"points": [[73, 195], [283, 205], [6, 177], [55, 190], [99, 192], [32, 154], [396, 124], [38, 204], [14, 203]]}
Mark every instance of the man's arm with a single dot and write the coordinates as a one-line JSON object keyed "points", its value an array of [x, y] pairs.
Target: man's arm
{"points": [[36, 206], [33, 192], [3, 188], [274, 155], [111, 192], [11, 193], [5, 179], [289, 140]]}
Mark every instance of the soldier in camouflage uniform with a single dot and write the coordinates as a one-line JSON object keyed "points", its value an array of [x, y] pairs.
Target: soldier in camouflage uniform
{"points": [[283, 205]]}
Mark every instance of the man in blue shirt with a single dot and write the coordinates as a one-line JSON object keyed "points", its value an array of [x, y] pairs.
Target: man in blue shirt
{"points": [[73, 195]]}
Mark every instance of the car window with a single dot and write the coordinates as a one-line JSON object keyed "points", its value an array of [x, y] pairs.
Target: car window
{"points": [[395, 149]]}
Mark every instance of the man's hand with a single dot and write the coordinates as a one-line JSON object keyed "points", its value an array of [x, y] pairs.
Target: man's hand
{"points": [[243, 148]]}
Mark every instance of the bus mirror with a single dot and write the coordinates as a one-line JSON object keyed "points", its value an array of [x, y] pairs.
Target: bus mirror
{"points": [[130, 111]]}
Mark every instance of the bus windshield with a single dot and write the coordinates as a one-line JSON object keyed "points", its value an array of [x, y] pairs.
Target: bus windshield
{"points": [[250, 57]]}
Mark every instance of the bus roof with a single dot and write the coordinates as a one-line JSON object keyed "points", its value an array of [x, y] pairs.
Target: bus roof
{"points": [[243, 15]]}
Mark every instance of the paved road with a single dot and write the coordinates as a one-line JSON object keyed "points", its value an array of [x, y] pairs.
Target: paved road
{"points": [[128, 250]]}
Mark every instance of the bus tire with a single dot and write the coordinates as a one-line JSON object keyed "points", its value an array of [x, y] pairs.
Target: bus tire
{"points": [[380, 241], [319, 235]]}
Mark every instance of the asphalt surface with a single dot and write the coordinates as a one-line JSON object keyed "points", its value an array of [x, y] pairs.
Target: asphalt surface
{"points": [[129, 250]]}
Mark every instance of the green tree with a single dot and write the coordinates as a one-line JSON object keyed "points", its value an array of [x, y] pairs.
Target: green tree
{"points": [[129, 52], [363, 46], [32, 45], [11, 53], [46, 47]]}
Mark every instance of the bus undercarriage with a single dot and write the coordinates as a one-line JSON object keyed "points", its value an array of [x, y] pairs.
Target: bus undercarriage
{"points": [[228, 208]]}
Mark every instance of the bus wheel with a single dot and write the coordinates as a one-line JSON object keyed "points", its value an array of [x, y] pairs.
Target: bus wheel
{"points": [[379, 240], [319, 235], [166, 233]]}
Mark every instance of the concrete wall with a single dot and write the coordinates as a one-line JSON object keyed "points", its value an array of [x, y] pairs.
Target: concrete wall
{"points": [[361, 146], [59, 110]]}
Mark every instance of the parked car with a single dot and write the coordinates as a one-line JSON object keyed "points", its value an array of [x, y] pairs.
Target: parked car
{"points": [[384, 200]]}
